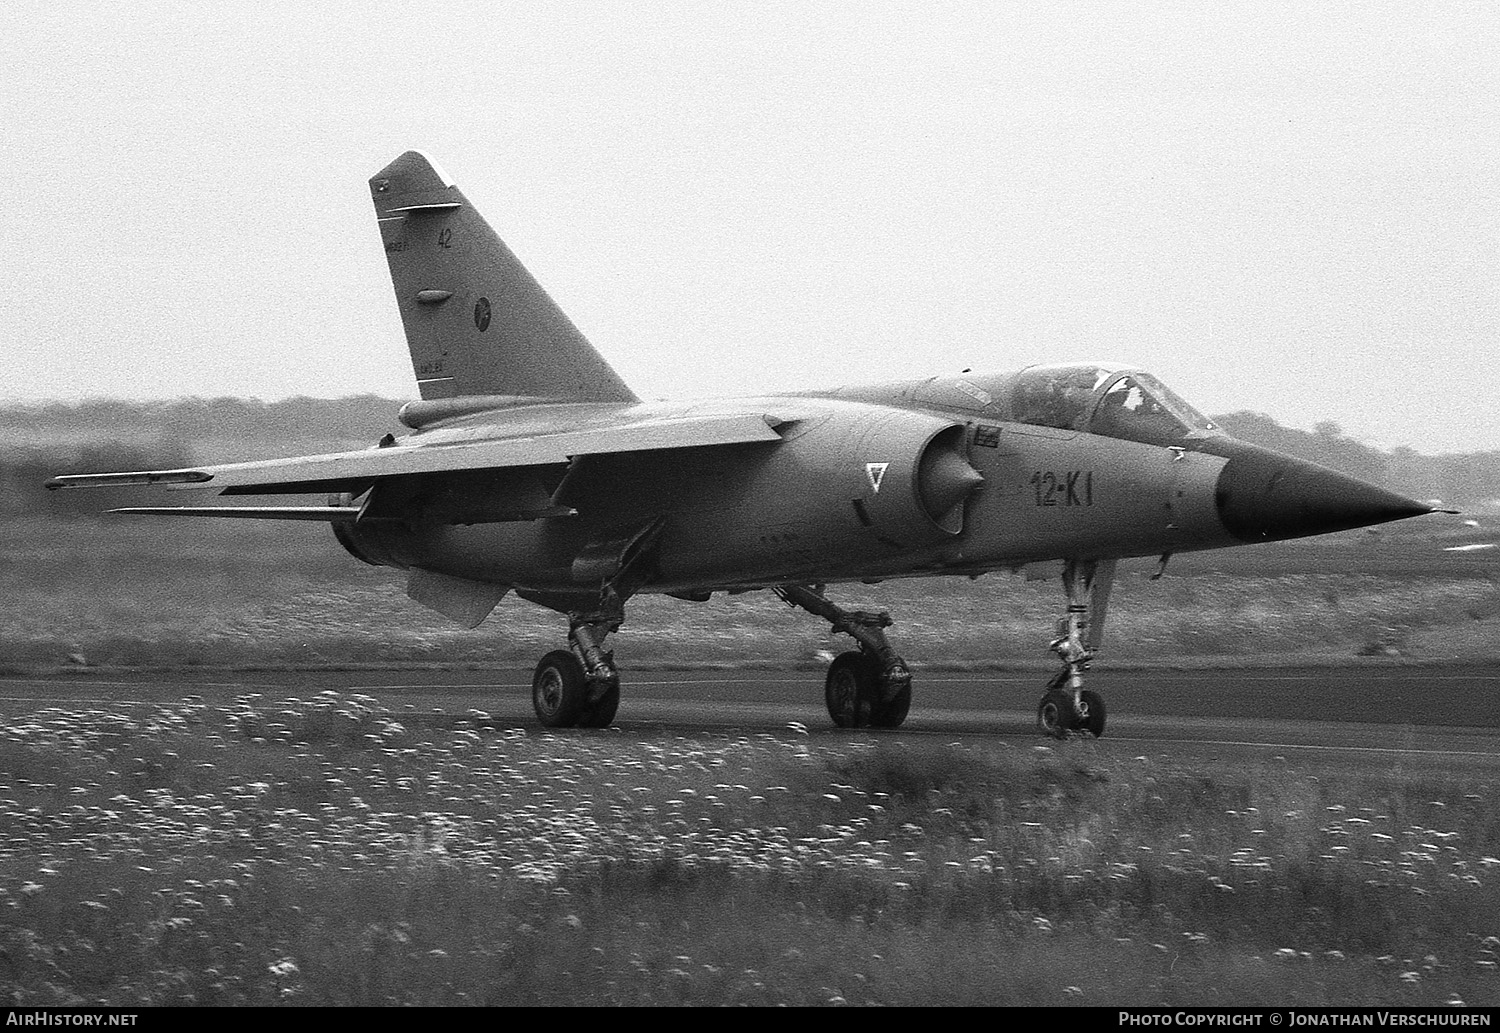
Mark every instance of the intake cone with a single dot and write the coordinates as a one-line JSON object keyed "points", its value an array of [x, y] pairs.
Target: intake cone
{"points": [[945, 481]]}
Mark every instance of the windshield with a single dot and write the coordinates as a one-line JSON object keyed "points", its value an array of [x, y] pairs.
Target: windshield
{"points": [[1138, 407], [1105, 400]]}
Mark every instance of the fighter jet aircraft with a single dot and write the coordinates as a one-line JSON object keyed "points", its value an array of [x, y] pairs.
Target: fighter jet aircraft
{"points": [[531, 467]]}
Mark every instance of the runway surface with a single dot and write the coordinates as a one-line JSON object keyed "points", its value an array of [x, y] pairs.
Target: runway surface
{"points": [[1368, 715]]}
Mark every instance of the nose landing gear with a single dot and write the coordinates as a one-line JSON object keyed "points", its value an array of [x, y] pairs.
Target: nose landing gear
{"points": [[1069, 707]]}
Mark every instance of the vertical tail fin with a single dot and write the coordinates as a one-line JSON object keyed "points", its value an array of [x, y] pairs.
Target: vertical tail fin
{"points": [[476, 321]]}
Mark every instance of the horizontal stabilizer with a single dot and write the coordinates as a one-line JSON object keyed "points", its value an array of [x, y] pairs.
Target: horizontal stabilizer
{"points": [[330, 514], [143, 477], [446, 206], [355, 471]]}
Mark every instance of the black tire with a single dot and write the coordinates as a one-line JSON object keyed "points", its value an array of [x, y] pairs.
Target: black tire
{"points": [[601, 712], [559, 689], [1093, 723], [847, 690], [892, 714], [1055, 715]]}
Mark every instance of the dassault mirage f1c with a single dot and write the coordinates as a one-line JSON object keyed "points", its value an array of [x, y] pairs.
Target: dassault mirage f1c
{"points": [[531, 467]]}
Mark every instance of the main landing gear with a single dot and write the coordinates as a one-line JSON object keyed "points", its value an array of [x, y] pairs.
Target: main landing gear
{"points": [[579, 687], [868, 687], [1069, 707]]}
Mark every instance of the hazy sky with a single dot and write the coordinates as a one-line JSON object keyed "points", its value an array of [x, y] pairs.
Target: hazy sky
{"points": [[1287, 207]]}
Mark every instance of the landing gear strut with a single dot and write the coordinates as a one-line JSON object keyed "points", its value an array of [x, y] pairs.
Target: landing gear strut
{"points": [[1068, 706], [868, 687]]}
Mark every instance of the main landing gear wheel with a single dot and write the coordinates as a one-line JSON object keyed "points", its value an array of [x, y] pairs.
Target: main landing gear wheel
{"points": [[601, 712], [853, 690], [866, 688], [848, 690], [893, 713], [560, 690]]}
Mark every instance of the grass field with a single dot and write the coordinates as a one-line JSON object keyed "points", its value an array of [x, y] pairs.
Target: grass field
{"points": [[319, 854], [222, 593]]}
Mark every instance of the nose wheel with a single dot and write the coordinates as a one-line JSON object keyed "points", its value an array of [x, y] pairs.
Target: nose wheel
{"points": [[1059, 714]]}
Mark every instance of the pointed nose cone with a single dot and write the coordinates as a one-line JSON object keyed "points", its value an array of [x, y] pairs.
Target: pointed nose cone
{"points": [[1264, 496]]}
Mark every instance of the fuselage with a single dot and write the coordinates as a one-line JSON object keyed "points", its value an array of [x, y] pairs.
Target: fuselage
{"points": [[899, 480]]}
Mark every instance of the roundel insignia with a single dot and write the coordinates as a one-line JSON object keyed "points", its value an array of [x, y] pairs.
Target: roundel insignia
{"points": [[482, 314]]}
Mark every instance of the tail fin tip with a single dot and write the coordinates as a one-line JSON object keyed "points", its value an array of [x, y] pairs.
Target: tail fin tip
{"points": [[412, 172]]}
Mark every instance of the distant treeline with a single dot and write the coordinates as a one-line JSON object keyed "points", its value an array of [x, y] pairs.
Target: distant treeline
{"points": [[104, 435], [39, 440], [1462, 478], [191, 419]]}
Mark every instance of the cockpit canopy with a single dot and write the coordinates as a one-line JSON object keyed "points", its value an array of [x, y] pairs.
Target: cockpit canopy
{"points": [[1115, 402]]}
